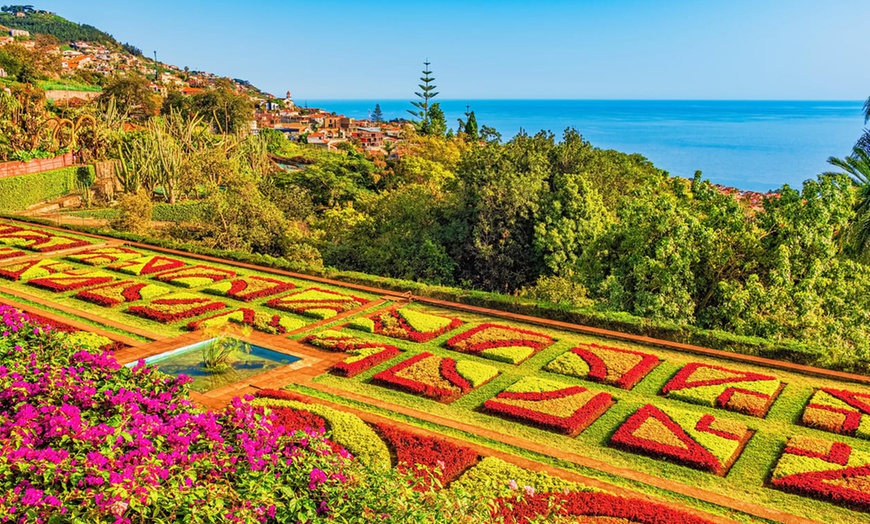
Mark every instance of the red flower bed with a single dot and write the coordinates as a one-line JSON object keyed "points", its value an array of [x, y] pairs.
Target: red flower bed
{"points": [[61, 283], [8, 252], [366, 354], [740, 391], [429, 376], [279, 394], [551, 506], [53, 324], [252, 288], [622, 368], [170, 310], [297, 419], [569, 410], [147, 265], [485, 337], [316, 302], [351, 369], [392, 324], [194, 276], [412, 449], [110, 295], [101, 256]]}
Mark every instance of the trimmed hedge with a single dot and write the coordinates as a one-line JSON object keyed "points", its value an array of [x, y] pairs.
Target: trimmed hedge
{"points": [[17, 193], [181, 212]]}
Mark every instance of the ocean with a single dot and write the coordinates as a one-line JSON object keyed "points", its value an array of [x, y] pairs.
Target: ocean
{"points": [[752, 145]]}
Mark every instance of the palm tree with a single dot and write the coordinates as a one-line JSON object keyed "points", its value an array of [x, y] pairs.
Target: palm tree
{"points": [[857, 166]]}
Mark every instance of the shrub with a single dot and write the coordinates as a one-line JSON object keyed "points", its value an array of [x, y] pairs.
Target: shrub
{"points": [[19, 192], [135, 212]]}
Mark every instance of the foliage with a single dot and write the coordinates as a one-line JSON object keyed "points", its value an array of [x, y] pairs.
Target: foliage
{"points": [[19, 192], [133, 96], [62, 29], [135, 213]]}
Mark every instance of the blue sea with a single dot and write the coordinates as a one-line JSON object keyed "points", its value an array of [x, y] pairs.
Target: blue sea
{"points": [[753, 145]]}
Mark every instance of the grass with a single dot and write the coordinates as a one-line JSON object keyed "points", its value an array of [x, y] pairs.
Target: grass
{"points": [[61, 85]]}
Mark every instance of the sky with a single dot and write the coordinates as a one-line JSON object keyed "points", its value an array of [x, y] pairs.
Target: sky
{"points": [[506, 49]]}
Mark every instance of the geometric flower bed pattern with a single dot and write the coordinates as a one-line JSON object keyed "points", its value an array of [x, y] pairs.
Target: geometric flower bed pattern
{"points": [[317, 303], [101, 256], [830, 471], [175, 307], [437, 378], [110, 295], [699, 441], [10, 252], [740, 391], [40, 241], [71, 280], [364, 354], [550, 405], [33, 269], [267, 323], [622, 368], [407, 324], [501, 343], [839, 411], [146, 265], [249, 288], [194, 276]]}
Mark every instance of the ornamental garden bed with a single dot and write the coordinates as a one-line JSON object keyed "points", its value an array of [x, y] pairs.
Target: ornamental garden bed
{"points": [[71, 280], [317, 303], [500, 342], [437, 378], [261, 321], [249, 288], [407, 324], [10, 252], [622, 368], [24, 271], [176, 307], [364, 354], [101, 256], [839, 411], [740, 391], [826, 470], [115, 293], [550, 405], [194, 276], [698, 441], [146, 265], [40, 241]]}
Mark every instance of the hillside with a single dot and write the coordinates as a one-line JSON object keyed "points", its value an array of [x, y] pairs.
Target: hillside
{"points": [[52, 24]]}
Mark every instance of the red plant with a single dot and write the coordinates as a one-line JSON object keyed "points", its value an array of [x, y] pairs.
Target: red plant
{"points": [[598, 369], [390, 378], [61, 283], [406, 331], [279, 394], [238, 288], [169, 310], [571, 425], [345, 369]]}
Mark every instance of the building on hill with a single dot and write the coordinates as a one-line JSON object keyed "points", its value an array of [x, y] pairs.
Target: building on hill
{"points": [[19, 32], [371, 138]]}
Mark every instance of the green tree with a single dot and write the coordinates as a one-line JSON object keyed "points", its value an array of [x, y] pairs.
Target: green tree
{"points": [[425, 94], [225, 109], [437, 124], [857, 167], [471, 127], [377, 114], [132, 95]]}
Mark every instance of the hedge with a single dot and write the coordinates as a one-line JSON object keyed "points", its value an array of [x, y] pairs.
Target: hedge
{"points": [[180, 212], [17, 193]]}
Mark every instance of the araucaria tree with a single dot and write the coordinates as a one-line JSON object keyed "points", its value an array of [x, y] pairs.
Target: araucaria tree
{"points": [[422, 109]]}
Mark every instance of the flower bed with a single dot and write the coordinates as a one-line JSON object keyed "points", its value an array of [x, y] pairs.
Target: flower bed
{"points": [[40, 241], [273, 324], [110, 295], [101, 256], [550, 405], [194, 276], [698, 441], [147, 265], [24, 271], [839, 411], [561, 507], [437, 378], [407, 324], [317, 303], [176, 307], [622, 368], [71, 280], [826, 470], [503, 479], [10, 252], [364, 354], [249, 288], [443, 461], [501, 343], [734, 390]]}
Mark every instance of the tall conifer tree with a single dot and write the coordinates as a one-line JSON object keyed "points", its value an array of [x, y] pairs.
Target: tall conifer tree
{"points": [[427, 92]]}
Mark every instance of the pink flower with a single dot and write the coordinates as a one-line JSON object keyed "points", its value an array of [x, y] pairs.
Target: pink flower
{"points": [[513, 484]]}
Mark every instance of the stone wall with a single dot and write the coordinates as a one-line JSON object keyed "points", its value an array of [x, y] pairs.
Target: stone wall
{"points": [[38, 165]]}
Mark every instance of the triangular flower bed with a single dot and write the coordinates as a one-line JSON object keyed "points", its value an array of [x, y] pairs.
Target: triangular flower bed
{"points": [[10, 252], [407, 324], [434, 377], [501, 343], [110, 295], [826, 470], [272, 324], [24, 271], [317, 303], [249, 288], [364, 354], [550, 405], [194, 276], [71, 280], [741, 391], [699, 441], [839, 411], [176, 307], [147, 265], [622, 368], [101, 256], [40, 241]]}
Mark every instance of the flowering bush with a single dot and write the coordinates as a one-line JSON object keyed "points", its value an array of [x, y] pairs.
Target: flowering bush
{"points": [[70, 281], [101, 256], [317, 303], [146, 265], [741, 391], [550, 405], [698, 441], [839, 411], [622, 368], [24, 271], [176, 307], [115, 293], [435, 377], [194, 276], [10, 252], [249, 288], [409, 324], [502, 343], [364, 355]]}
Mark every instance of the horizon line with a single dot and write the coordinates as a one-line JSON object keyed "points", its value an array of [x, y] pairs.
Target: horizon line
{"points": [[859, 101]]}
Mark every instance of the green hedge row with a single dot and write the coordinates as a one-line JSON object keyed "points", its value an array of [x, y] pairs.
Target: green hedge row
{"points": [[17, 193], [181, 212], [789, 351]]}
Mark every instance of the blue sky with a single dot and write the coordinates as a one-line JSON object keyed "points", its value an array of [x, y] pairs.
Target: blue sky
{"points": [[585, 49]]}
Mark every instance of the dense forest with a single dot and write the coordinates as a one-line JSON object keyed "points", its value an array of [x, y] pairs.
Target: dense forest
{"points": [[47, 23]]}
